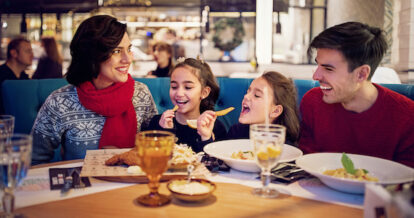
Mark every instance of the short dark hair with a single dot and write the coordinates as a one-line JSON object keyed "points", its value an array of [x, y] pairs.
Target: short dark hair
{"points": [[284, 93], [206, 77], [14, 44], [359, 43], [92, 44]]}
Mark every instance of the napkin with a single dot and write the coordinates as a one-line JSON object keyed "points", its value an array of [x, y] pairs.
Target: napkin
{"points": [[288, 173], [57, 178], [213, 164]]}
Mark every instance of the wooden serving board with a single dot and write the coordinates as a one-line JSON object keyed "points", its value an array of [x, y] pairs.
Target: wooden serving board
{"points": [[94, 166]]}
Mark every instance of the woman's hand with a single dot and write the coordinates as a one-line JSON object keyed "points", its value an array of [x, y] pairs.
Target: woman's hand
{"points": [[166, 120], [205, 124]]}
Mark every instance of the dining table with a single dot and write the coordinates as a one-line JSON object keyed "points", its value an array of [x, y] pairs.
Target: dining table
{"points": [[114, 199]]}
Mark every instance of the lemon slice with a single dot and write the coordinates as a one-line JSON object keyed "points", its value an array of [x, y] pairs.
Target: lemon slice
{"points": [[273, 151], [224, 112], [175, 108], [263, 155], [192, 124]]}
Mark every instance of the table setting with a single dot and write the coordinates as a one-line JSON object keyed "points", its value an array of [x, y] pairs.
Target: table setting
{"points": [[272, 170]]}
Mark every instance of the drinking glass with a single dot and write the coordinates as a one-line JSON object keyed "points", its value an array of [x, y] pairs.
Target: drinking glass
{"points": [[267, 140], [15, 158], [154, 150], [6, 125]]}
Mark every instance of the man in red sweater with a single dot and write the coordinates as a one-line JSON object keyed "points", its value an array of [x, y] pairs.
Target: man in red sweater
{"points": [[348, 113]]}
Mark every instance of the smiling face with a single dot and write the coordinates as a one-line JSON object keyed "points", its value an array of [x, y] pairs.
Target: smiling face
{"points": [[338, 85], [186, 92], [254, 103], [115, 69]]}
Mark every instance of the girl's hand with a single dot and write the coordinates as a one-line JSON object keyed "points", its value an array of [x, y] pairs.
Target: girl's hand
{"points": [[166, 120], [205, 124]]}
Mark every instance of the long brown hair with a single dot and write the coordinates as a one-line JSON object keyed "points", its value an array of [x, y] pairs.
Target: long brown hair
{"points": [[50, 45], [284, 93]]}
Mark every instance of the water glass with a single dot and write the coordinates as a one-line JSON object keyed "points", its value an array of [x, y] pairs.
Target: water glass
{"points": [[154, 150], [15, 159], [267, 141], [6, 125]]}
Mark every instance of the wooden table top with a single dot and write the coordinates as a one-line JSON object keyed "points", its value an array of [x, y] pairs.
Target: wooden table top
{"points": [[229, 200]]}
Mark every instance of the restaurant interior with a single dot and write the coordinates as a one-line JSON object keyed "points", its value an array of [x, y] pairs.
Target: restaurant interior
{"points": [[275, 37], [240, 40]]}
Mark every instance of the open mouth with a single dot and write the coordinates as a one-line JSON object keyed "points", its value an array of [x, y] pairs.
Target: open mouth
{"points": [[181, 102], [123, 69], [245, 109], [325, 87]]}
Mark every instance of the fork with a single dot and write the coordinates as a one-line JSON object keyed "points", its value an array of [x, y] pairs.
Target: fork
{"points": [[80, 183], [68, 182]]}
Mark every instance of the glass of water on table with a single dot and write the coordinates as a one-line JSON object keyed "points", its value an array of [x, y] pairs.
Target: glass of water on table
{"points": [[15, 159], [6, 125], [267, 141]]}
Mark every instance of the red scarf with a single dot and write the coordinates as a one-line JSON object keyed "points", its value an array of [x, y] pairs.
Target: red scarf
{"points": [[115, 103]]}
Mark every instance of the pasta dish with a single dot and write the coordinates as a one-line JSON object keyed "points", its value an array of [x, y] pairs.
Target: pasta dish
{"points": [[243, 155], [360, 175]]}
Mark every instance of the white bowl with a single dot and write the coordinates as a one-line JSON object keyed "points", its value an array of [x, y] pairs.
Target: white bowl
{"points": [[387, 172], [223, 150]]}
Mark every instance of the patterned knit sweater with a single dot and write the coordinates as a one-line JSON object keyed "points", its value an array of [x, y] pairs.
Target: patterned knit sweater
{"points": [[63, 120]]}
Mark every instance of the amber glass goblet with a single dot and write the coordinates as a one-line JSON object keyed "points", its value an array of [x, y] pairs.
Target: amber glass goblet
{"points": [[154, 151]]}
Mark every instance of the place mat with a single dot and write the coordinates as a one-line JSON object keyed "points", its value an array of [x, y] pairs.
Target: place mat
{"points": [[94, 166]]}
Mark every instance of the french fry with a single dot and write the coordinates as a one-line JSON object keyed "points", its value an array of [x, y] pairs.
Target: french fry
{"points": [[192, 123], [175, 108], [224, 112]]}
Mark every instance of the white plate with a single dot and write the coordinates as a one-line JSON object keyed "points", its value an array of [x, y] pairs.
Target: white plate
{"points": [[223, 150], [387, 172]]}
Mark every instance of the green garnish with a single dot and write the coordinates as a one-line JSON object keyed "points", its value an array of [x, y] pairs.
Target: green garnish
{"points": [[348, 164]]}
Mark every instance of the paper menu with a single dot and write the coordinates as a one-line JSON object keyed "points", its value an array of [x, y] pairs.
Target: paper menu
{"points": [[94, 165]]}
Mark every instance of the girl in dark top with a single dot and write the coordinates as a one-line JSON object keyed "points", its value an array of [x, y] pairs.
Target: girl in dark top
{"points": [[50, 65], [281, 94], [282, 108], [163, 56], [194, 90]]}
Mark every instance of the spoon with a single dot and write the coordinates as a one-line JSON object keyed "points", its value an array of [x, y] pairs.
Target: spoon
{"points": [[190, 169]]}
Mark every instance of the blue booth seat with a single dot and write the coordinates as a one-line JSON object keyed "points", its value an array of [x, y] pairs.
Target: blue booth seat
{"points": [[23, 98]]}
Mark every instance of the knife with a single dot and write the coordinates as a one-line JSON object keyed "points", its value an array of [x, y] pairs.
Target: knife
{"points": [[68, 183]]}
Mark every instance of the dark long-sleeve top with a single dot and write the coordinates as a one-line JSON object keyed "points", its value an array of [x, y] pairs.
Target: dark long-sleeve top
{"points": [[242, 131], [161, 72], [187, 135], [7, 74], [47, 68]]}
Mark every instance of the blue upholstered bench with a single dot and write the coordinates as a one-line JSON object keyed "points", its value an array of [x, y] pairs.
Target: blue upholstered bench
{"points": [[23, 98]]}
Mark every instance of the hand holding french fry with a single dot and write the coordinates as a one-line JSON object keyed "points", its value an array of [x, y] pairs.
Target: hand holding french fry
{"points": [[166, 120], [205, 124]]}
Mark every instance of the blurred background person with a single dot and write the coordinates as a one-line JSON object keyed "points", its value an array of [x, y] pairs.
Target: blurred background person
{"points": [[163, 56], [50, 64], [19, 58], [170, 37]]}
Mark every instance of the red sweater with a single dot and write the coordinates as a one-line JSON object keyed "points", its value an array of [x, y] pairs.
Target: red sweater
{"points": [[385, 130]]}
